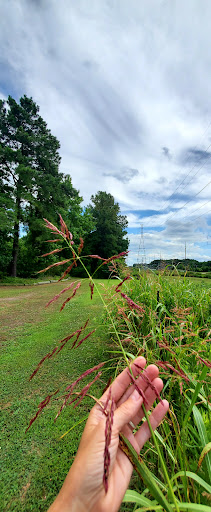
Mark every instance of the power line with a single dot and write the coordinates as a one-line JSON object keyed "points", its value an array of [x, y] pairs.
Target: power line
{"points": [[188, 158], [195, 210], [141, 249], [191, 178], [201, 215], [174, 213]]}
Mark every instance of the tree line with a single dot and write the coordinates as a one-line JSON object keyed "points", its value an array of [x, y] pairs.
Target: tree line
{"points": [[33, 188], [182, 264]]}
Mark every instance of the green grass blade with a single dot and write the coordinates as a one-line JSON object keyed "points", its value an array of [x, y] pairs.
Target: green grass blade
{"points": [[160, 484], [204, 452], [74, 426], [154, 508], [135, 497], [203, 398], [192, 507], [195, 477], [171, 455], [195, 394], [148, 477], [203, 436], [187, 507], [161, 460]]}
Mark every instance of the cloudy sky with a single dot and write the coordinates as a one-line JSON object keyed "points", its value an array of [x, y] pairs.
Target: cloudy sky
{"points": [[125, 87]]}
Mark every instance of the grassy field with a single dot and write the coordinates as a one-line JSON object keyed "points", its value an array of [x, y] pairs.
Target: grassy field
{"points": [[174, 328], [34, 464], [170, 324]]}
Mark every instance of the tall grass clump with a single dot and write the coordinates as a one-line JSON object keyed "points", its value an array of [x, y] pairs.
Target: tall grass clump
{"points": [[173, 330], [168, 320]]}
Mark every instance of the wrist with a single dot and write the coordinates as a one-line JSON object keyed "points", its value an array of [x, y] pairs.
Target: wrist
{"points": [[70, 497], [68, 503]]}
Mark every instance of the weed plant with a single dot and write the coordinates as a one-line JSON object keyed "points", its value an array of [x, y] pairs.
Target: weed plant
{"points": [[168, 320]]}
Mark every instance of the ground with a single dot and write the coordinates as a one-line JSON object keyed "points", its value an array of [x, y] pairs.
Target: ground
{"points": [[35, 463]]}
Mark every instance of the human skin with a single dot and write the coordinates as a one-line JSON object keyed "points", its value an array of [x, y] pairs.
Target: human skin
{"points": [[83, 489]]}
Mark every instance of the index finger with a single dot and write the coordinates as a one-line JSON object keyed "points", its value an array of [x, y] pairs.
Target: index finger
{"points": [[123, 380]]}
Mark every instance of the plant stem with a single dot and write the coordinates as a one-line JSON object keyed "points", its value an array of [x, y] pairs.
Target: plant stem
{"points": [[161, 459], [126, 359], [195, 394], [103, 302]]}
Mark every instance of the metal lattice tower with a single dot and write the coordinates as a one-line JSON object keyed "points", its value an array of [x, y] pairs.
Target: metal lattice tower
{"points": [[141, 260]]}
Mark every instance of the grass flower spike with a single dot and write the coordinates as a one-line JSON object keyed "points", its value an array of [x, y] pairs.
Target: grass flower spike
{"points": [[109, 410]]}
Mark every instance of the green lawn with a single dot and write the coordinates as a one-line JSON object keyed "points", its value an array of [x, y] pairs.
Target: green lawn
{"points": [[35, 463]]}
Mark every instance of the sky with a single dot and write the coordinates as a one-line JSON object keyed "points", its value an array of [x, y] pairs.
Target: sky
{"points": [[125, 87]]}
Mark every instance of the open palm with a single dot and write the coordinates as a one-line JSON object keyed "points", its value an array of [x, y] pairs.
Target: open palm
{"points": [[86, 474]]}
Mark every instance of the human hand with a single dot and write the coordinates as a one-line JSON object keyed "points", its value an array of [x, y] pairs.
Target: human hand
{"points": [[83, 488]]}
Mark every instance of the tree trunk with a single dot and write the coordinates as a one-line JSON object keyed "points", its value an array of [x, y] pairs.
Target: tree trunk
{"points": [[16, 238]]}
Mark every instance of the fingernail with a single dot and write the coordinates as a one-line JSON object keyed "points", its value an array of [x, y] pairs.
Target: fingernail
{"points": [[135, 395]]}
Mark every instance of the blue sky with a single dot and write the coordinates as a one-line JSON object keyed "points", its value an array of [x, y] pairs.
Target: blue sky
{"points": [[125, 86]]}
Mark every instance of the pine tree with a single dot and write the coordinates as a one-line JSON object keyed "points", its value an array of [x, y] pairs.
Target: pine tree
{"points": [[29, 165]]}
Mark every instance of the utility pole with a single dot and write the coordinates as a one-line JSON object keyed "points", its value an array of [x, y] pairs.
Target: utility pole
{"points": [[141, 250], [185, 258]]}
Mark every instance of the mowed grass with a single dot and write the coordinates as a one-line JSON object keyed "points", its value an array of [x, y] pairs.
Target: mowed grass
{"points": [[34, 464]]}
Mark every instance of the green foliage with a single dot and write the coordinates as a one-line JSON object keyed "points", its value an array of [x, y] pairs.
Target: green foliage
{"points": [[79, 220], [109, 235], [31, 186], [35, 464], [169, 323], [29, 162], [6, 222], [34, 244], [167, 320], [185, 265], [172, 331]]}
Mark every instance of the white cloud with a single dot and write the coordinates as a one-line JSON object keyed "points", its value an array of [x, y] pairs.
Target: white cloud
{"points": [[117, 83], [156, 245], [2, 96]]}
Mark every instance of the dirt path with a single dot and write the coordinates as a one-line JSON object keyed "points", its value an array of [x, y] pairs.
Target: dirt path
{"points": [[20, 306], [20, 297]]}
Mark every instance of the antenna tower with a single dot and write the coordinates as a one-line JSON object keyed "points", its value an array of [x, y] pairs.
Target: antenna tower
{"points": [[141, 260]]}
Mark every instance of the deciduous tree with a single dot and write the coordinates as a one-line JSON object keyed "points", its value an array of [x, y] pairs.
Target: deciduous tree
{"points": [[109, 236]]}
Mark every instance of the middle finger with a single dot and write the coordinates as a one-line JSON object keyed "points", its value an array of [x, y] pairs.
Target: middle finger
{"points": [[150, 373]]}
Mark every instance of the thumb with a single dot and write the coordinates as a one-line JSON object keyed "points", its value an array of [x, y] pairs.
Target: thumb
{"points": [[126, 411]]}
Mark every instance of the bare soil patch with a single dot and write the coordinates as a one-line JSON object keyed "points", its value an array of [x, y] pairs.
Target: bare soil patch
{"points": [[19, 307], [20, 297]]}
